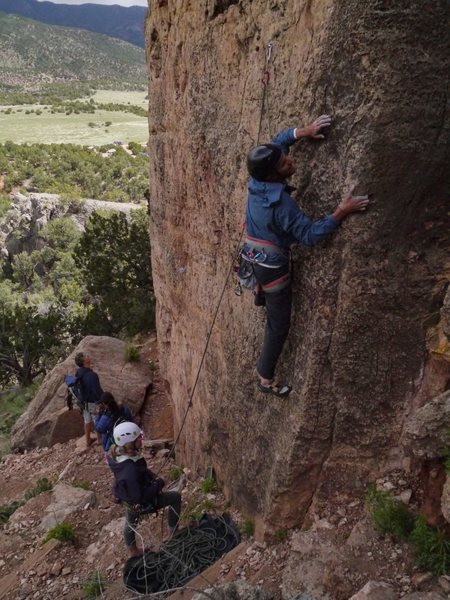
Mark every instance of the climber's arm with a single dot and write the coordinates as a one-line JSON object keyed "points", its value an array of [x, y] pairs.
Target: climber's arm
{"points": [[289, 136], [350, 204]]}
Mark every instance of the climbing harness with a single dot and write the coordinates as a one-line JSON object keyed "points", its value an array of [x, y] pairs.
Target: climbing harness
{"points": [[189, 552]]}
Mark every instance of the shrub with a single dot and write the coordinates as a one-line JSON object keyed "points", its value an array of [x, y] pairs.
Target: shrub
{"points": [[132, 353], [193, 511], [208, 505], [432, 550], [94, 586], [6, 510], [84, 484], [247, 528], [208, 485], [5, 203], [64, 532], [42, 485], [13, 403], [281, 535], [388, 514], [175, 472]]}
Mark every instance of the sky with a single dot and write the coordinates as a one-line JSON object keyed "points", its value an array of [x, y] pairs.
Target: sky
{"points": [[121, 2]]}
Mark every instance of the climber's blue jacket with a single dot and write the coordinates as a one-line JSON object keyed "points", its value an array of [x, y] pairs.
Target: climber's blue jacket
{"points": [[273, 216]]}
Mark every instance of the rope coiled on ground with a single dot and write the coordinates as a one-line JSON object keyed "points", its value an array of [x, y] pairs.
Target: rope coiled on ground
{"points": [[189, 552]]}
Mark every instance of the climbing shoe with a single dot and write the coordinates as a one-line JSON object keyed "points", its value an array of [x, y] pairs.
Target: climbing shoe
{"points": [[276, 389]]}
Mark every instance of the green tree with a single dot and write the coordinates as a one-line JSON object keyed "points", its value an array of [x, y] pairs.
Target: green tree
{"points": [[113, 255], [61, 233], [29, 341], [23, 266]]}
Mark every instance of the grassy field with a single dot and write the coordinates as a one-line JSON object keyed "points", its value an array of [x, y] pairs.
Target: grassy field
{"points": [[118, 97], [59, 128]]}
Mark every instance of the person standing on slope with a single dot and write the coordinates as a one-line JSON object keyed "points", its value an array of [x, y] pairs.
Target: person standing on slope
{"points": [[91, 392], [274, 222], [110, 414]]}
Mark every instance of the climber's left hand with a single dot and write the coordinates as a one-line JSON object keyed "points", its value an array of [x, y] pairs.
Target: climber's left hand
{"points": [[313, 130]]}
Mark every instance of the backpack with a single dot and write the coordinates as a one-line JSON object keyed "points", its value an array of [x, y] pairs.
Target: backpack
{"points": [[124, 418], [74, 392]]}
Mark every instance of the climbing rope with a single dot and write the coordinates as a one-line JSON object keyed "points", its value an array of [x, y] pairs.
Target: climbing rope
{"points": [[265, 80], [189, 552]]}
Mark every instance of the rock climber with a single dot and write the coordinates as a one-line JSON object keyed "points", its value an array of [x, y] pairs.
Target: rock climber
{"points": [[136, 486], [274, 222], [91, 393]]}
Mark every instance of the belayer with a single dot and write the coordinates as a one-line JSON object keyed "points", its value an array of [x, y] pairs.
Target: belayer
{"points": [[136, 486], [274, 222]]}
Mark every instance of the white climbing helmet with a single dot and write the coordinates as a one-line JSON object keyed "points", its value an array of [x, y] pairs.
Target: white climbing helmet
{"points": [[125, 433]]}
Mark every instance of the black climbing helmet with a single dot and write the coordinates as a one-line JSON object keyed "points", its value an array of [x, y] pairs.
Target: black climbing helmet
{"points": [[262, 160]]}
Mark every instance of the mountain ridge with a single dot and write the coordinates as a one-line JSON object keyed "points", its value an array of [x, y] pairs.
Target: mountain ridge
{"points": [[30, 56], [125, 23]]}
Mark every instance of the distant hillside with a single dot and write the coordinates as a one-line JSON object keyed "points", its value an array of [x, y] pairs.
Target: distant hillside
{"points": [[33, 54], [116, 21]]}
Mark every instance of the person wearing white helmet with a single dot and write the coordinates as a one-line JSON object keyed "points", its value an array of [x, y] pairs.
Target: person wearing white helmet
{"points": [[136, 486]]}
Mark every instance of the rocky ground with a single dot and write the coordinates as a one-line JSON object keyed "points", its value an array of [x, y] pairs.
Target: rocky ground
{"points": [[333, 559]]}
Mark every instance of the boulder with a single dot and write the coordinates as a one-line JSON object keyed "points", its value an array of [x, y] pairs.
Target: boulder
{"points": [[376, 590], [66, 500], [237, 590], [104, 545], [322, 565], [424, 596], [426, 432], [47, 421], [312, 552]]}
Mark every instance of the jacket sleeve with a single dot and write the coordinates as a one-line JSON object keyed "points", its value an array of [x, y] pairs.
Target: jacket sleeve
{"points": [[103, 423], [293, 221], [285, 139]]}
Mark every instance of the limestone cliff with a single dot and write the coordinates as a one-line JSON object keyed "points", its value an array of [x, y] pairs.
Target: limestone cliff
{"points": [[21, 225], [356, 354]]}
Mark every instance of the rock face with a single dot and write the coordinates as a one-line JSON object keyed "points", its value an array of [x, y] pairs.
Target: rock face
{"points": [[47, 421], [426, 432], [66, 500], [363, 300], [375, 590], [239, 590]]}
